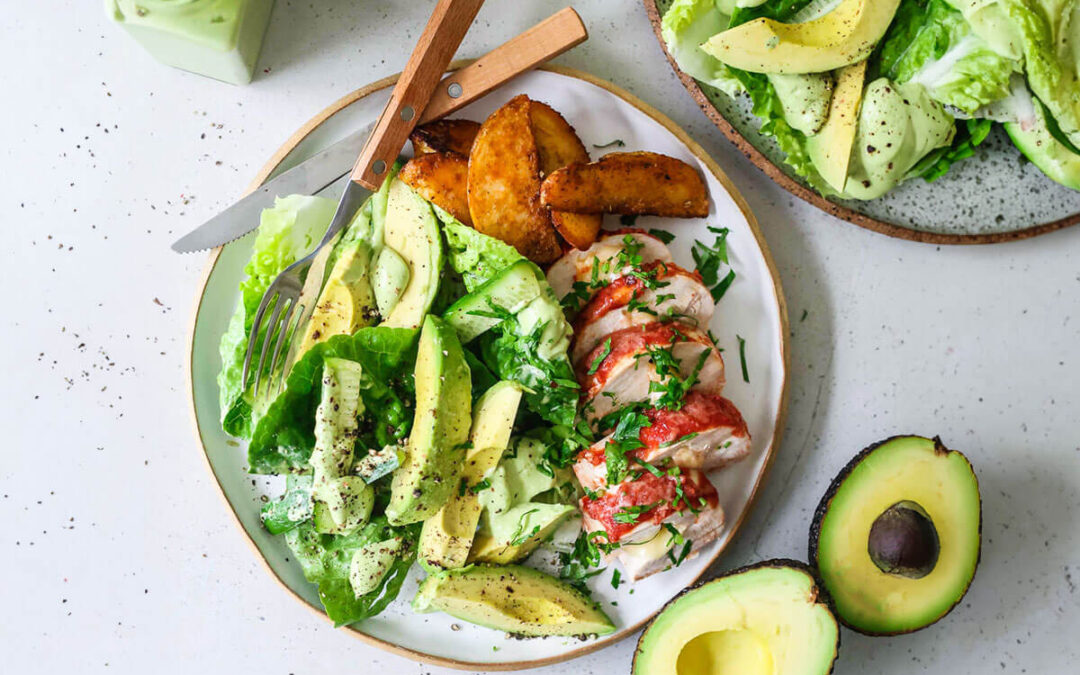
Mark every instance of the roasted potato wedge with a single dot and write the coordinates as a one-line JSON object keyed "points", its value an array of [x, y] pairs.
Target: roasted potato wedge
{"points": [[444, 136], [631, 183], [504, 184], [442, 179], [559, 146]]}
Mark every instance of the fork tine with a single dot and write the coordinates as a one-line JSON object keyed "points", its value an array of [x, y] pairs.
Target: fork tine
{"points": [[253, 339], [299, 318], [271, 328], [282, 338]]}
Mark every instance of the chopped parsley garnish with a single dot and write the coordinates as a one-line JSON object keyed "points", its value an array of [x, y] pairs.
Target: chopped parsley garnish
{"points": [[624, 441], [480, 486], [520, 536], [628, 515], [710, 259], [618, 142], [636, 305], [805, 313], [680, 439], [574, 567], [595, 365], [672, 387], [742, 358], [676, 536], [676, 561], [649, 467], [663, 235], [578, 295], [627, 220], [616, 578]]}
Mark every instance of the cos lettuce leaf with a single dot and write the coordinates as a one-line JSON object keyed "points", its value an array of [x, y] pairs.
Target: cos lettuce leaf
{"points": [[931, 44], [325, 559], [286, 232], [284, 437], [969, 135], [475, 256], [687, 24]]}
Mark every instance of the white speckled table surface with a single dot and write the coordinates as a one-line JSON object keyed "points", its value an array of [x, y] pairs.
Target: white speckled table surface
{"points": [[118, 554]]}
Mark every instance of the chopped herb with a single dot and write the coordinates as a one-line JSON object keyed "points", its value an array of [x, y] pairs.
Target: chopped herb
{"points": [[742, 358], [680, 439], [586, 553], [636, 305], [709, 260], [481, 486], [676, 536], [578, 295], [649, 467], [662, 235], [672, 387], [520, 536], [629, 514], [685, 552], [595, 365], [624, 441], [805, 313], [627, 220], [616, 578], [618, 142]]}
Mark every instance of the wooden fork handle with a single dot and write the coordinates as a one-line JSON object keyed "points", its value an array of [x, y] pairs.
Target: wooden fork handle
{"points": [[432, 54], [543, 42]]}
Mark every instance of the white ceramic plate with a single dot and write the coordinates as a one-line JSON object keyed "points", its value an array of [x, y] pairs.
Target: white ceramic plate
{"points": [[753, 309]]}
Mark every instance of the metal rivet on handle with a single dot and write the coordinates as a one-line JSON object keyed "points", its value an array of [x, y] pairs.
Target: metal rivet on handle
{"points": [[378, 167], [407, 113], [454, 90]]}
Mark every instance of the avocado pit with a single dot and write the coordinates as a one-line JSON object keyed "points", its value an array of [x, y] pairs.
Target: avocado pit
{"points": [[904, 541]]}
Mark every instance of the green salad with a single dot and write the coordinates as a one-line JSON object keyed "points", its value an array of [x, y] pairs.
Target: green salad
{"points": [[427, 416], [861, 95]]}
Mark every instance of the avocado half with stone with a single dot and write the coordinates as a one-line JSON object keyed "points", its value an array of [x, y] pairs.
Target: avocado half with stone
{"points": [[771, 618], [896, 538]]}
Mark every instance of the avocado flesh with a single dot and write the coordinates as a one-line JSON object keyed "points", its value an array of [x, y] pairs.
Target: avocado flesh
{"points": [[448, 535], [842, 37], [830, 148], [514, 599], [766, 619], [1052, 157], [411, 231], [492, 548], [346, 303], [430, 472], [904, 469]]}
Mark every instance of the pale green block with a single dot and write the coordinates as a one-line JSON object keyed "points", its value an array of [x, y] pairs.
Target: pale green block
{"points": [[216, 38]]}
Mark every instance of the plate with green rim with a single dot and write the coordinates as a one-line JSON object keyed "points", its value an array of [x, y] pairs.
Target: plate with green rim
{"points": [[994, 196], [752, 309]]}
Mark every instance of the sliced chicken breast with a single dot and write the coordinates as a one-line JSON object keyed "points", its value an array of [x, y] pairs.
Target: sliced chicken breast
{"points": [[633, 514], [708, 432], [578, 265], [659, 290], [616, 374], [697, 529]]}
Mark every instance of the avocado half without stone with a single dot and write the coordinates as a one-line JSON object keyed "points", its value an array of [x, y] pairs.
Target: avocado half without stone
{"points": [[771, 618], [896, 538]]}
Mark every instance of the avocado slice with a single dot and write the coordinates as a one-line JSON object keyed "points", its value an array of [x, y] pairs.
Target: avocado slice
{"points": [[896, 537], [346, 303], [842, 37], [430, 472], [766, 618], [1038, 144], [512, 598], [830, 148], [447, 536], [412, 232], [532, 523]]}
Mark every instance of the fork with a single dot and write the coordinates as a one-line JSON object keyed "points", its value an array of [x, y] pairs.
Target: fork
{"points": [[415, 92]]}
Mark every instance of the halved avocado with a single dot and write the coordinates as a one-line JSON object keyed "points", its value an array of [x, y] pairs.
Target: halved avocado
{"points": [[896, 537], [765, 619]]}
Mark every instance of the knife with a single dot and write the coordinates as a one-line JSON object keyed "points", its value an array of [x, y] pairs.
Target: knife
{"points": [[542, 42]]}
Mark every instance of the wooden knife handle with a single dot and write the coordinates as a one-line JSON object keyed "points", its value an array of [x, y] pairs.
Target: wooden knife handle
{"points": [[543, 42], [433, 52]]}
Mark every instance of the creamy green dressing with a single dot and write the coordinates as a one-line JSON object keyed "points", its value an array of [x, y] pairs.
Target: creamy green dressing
{"points": [[805, 99], [215, 23], [898, 124]]}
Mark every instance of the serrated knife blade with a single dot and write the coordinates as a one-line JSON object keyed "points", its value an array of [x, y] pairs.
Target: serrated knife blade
{"points": [[307, 178]]}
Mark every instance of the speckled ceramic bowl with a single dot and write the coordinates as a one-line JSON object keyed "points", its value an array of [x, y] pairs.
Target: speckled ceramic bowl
{"points": [[995, 196]]}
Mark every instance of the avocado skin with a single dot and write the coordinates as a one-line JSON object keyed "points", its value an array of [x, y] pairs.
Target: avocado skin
{"points": [[821, 597], [826, 501]]}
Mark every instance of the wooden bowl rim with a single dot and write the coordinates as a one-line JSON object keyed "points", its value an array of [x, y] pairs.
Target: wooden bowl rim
{"points": [[810, 196], [422, 657]]}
